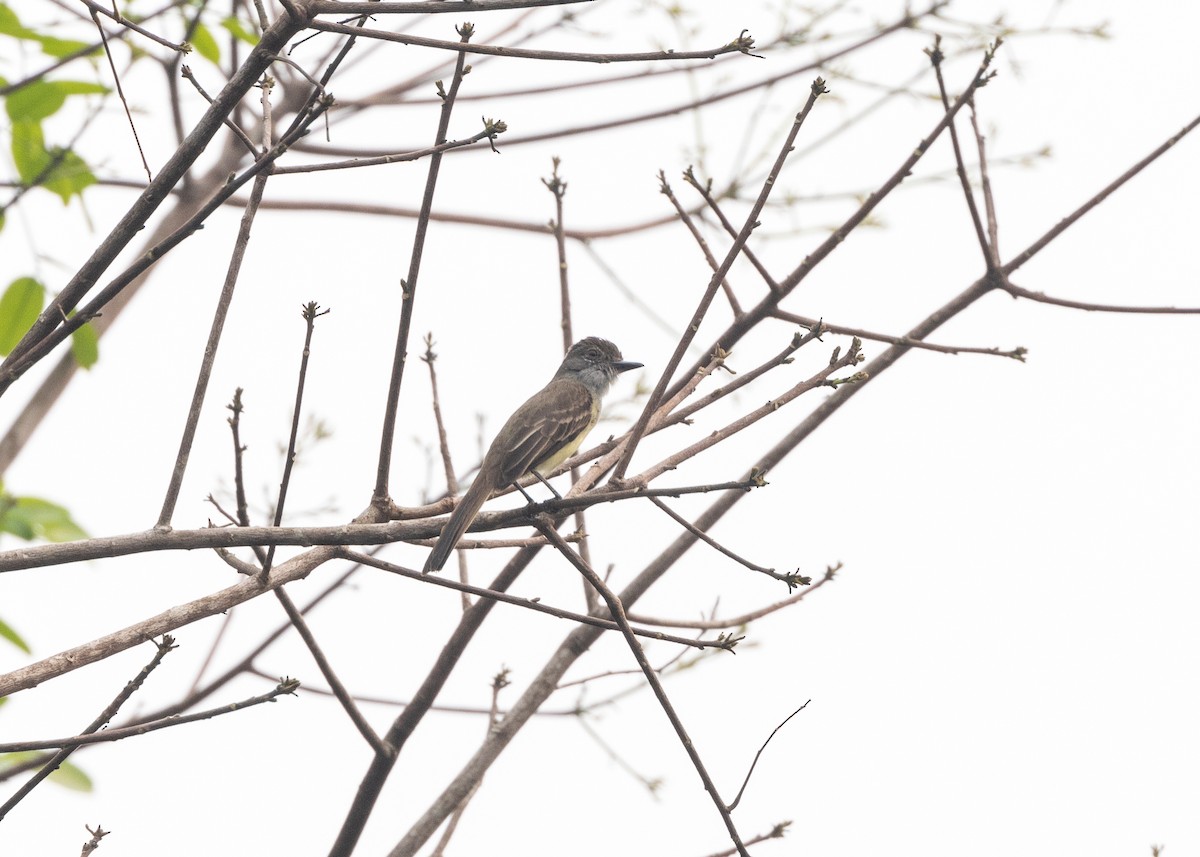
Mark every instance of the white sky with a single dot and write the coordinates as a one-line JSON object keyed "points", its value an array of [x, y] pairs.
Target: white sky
{"points": [[1008, 662]]}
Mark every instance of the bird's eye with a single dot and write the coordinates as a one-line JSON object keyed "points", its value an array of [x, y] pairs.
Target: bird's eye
{"points": [[593, 354]]}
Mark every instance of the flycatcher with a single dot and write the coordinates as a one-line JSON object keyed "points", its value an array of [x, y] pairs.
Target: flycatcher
{"points": [[542, 433]]}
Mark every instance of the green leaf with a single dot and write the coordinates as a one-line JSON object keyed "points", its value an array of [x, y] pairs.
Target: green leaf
{"points": [[29, 150], [205, 44], [68, 775], [239, 31], [19, 308], [10, 25], [34, 102], [69, 176], [32, 517], [71, 777], [59, 170], [59, 48], [42, 98], [18, 526], [13, 637], [82, 87], [85, 346]]}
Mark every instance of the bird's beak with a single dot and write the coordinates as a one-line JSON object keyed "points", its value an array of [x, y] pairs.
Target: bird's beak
{"points": [[625, 366]]}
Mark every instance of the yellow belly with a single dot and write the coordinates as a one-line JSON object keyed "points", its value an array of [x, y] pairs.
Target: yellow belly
{"points": [[552, 461]]}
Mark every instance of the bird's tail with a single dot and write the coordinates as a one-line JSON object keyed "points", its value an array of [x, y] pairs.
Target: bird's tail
{"points": [[464, 513]]}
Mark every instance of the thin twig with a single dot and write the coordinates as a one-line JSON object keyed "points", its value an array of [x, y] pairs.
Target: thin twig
{"points": [[171, 67], [742, 44], [335, 684], [1019, 353], [775, 832], [618, 613], [534, 604], [651, 785], [310, 313], [689, 333], [739, 327], [1041, 297], [239, 471], [186, 72], [68, 746], [495, 544], [582, 235], [1068, 221], [750, 772], [792, 580], [588, 679], [499, 682], [935, 58], [217, 327], [985, 183], [852, 357], [286, 686], [783, 358], [408, 286], [742, 620], [903, 23], [121, 94], [95, 9], [93, 843], [705, 191], [226, 620], [246, 663], [664, 188], [489, 132], [444, 447], [558, 188], [428, 7], [403, 703]]}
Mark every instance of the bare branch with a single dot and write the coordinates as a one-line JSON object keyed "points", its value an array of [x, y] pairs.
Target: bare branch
{"points": [[1043, 298], [310, 313], [1068, 221], [286, 687], [68, 746], [490, 131], [742, 620], [750, 772], [618, 612], [210, 351], [532, 604], [408, 286], [660, 390], [335, 684], [742, 44]]}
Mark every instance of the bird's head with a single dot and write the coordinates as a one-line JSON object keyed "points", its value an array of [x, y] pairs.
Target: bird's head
{"points": [[595, 362]]}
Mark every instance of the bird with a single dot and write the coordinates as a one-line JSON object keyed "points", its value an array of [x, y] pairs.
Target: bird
{"points": [[540, 435]]}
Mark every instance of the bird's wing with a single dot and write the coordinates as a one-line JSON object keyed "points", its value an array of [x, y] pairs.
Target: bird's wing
{"points": [[544, 428]]}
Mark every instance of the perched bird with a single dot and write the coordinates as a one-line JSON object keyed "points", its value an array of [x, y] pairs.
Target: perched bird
{"points": [[542, 433]]}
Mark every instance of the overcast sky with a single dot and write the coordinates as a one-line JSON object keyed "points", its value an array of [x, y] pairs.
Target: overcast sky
{"points": [[1007, 662]]}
